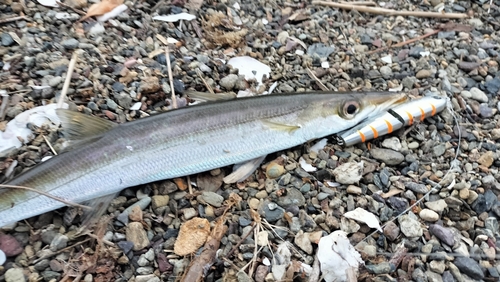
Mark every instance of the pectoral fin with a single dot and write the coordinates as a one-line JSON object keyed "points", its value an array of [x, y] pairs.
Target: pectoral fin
{"points": [[280, 126], [243, 170], [78, 126]]}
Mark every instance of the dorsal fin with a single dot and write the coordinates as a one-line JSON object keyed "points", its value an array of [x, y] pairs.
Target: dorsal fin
{"points": [[78, 126], [206, 97]]}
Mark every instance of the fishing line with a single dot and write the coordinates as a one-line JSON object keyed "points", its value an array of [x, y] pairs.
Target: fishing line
{"points": [[453, 166]]}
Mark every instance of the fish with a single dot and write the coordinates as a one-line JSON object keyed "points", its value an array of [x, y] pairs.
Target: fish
{"points": [[404, 115], [185, 141]]}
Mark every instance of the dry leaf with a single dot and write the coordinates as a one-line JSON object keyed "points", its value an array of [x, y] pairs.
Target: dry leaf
{"points": [[192, 236], [101, 8]]}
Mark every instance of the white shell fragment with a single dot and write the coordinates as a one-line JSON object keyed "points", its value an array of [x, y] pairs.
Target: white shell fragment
{"points": [[136, 106], [113, 13], [175, 18], [250, 68], [305, 166], [364, 216], [336, 256], [319, 145], [387, 59], [49, 3], [17, 127], [3, 258], [63, 15], [348, 173], [425, 54]]}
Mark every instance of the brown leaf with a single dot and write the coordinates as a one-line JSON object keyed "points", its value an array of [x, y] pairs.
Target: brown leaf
{"points": [[193, 235], [101, 8]]}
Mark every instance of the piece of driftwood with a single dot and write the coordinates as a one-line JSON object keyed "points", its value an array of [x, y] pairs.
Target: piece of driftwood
{"points": [[390, 12]]}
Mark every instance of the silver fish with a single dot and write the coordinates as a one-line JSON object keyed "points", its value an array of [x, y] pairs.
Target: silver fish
{"points": [[182, 142]]}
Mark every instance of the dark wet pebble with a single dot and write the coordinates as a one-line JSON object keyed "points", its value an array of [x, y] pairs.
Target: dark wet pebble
{"points": [[470, 267], [6, 39], [493, 272], [493, 85], [416, 187], [381, 268], [70, 43], [292, 197], [320, 50], [415, 52], [468, 66], [178, 86], [272, 212], [387, 156], [484, 202], [125, 246], [118, 86], [244, 221], [443, 233], [171, 232], [49, 275], [448, 277], [398, 204]]}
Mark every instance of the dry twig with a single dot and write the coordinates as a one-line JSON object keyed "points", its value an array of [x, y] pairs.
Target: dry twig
{"points": [[13, 19], [50, 145], [5, 101], [69, 73], [362, 3], [200, 74], [171, 78], [390, 12], [46, 195], [404, 42], [318, 82], [205, 260]]}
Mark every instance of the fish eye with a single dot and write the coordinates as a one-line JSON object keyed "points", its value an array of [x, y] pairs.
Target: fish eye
{"points": [[350, 109]]}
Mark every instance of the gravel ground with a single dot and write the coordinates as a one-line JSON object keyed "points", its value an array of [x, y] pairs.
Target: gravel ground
{"points": [[121, 74]]}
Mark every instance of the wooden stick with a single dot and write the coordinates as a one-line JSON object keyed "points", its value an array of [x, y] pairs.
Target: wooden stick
{"points": [[363, 3], [13, 19], [50, 145], [404, 42], [171, 78], [390, 12], [318, 82], [196, 270], [200, 74], [69, 73]]}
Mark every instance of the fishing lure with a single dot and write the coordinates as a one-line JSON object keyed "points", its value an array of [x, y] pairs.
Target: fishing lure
{"points": [[394, 119]]}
